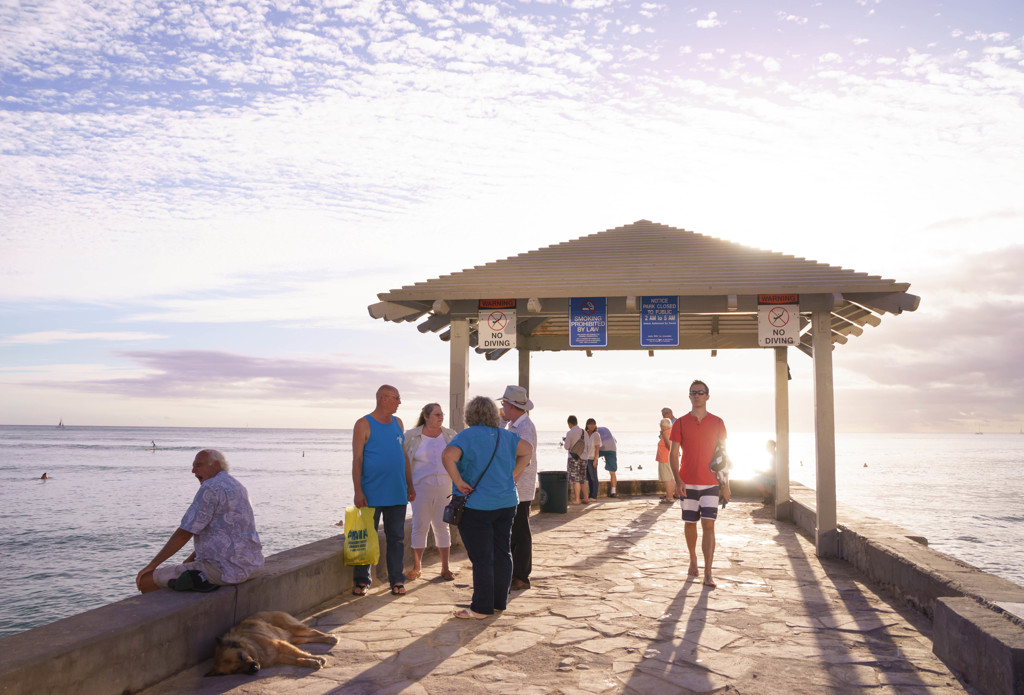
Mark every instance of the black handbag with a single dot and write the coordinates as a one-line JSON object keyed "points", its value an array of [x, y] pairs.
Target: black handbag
{"points": [[453, 510], [457, 503]]}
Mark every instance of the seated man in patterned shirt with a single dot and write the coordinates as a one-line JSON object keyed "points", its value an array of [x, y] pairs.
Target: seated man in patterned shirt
{"points": [[227, 547]]}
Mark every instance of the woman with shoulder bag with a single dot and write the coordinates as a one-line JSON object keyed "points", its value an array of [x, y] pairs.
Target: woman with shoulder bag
{"points": [[493, 459]]}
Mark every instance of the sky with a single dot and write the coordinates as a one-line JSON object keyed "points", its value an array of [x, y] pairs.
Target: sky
{"points": [[198, 200]]}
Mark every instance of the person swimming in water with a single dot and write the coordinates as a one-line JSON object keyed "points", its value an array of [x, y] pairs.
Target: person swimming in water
{"points": [[44, 477]]}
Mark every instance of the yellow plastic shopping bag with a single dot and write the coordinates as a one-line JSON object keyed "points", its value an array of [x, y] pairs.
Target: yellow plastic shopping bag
{"points": [[361, 545]]}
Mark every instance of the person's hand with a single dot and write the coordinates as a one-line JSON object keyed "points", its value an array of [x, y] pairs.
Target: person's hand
{"points": [[359, 499], [412, 494], [464, 487]]}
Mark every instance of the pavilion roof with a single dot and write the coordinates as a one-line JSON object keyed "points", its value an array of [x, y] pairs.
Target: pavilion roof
{"points": [[717, 282]]}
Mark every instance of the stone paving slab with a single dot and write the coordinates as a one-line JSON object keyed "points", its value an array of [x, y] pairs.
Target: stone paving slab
{"points": [[612, 611]]}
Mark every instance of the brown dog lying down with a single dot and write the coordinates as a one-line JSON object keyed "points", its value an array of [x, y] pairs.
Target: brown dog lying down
{"points": [[264, 639]]}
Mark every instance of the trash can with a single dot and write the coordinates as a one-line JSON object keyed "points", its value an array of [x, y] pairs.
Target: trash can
{"points": [[554, 491]]}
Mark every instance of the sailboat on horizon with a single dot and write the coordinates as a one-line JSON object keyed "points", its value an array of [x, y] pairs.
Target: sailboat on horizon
{"points": [[60, 424]]}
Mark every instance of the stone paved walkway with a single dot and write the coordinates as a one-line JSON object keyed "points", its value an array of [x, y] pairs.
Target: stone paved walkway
{"points": [[611, 611]]}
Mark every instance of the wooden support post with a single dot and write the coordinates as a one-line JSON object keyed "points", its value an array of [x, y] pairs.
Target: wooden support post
{"points": [[524, 368], [783, 505], [826, 539], [458, 378]]}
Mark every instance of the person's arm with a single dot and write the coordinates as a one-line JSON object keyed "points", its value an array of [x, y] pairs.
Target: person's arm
{"points": [[408, 467], [523, 453], [597, 447], [449, 459], [175, 543], [360, 435], [673, 460]]}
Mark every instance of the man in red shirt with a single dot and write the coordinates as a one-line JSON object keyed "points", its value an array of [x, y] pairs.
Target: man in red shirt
{"points": [[696, 434]]}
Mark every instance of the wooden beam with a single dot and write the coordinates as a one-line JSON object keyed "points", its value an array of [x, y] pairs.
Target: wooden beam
{"points": [[783, 505], [458, 375], [524, 369], [826, 540], [892, 303]]}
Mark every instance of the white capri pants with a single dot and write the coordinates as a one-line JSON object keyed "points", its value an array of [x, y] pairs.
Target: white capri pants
{"points": [[428, 510]]}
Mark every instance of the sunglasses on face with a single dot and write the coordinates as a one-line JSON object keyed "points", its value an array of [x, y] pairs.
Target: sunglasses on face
{"points": [[699, 392]]}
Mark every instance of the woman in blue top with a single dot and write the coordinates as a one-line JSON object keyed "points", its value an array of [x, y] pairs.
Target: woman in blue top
{"points": [[493, 459]]}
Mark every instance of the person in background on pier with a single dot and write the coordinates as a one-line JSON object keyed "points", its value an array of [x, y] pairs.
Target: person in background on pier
{"points": [[662, 458], [382, 479], [611, 463], [765, 479], [696, 434], [667, 413], [227, 546], [423, 446], [591, 450], [493, 460], [515, 410], [575, 464]]}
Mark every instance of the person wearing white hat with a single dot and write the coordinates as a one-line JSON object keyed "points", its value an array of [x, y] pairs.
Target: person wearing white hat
{"points": [[515, 407]]}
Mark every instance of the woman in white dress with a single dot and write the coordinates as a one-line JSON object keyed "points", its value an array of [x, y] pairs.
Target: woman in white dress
{"points": [[424, 445]]}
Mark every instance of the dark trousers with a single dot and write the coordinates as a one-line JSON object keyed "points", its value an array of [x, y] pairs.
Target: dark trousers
{"points": [[522, 543], [592, 479], [486, 534], [394, 535]]}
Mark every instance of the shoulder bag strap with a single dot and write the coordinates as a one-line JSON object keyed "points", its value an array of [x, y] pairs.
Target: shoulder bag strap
{"points": [[497, 440]]}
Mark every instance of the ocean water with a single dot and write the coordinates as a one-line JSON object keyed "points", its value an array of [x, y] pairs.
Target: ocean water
{"points": [[76, 541]]}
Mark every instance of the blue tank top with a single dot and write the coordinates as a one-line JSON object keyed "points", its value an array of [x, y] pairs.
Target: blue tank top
{"points": [[383, 478]]}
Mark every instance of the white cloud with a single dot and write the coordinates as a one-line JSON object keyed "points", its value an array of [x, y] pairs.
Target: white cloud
{"points": [[710, 22], [53, 337]]}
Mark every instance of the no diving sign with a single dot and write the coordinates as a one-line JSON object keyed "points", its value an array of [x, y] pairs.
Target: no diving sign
{"points": [[778, 320], [497, 329]]}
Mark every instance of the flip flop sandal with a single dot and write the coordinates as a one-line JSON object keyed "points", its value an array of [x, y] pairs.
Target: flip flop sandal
{"points": [[411, 575], [448, 576], [398, 590], [467, 614], [359, 590]]}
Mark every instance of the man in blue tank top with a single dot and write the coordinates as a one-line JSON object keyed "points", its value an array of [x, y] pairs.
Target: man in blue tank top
{"points": [[382, 479]]}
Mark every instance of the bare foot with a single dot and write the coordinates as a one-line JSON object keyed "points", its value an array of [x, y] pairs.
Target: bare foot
{"points": [[693, 572], [709, 582]]}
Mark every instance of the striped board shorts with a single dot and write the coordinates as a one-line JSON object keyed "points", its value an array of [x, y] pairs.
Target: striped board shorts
{"points": [[701, 502]]}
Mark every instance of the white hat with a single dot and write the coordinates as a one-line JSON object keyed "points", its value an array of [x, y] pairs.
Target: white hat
{"points": [[516, 395]]}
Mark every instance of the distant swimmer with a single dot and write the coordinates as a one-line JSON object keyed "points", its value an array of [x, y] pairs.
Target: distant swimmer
{"points": [[44, 477]]}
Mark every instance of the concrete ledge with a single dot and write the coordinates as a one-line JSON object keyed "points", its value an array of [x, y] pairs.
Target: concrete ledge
{"points": [[295, 580], [968, 635], [118, 648]]}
